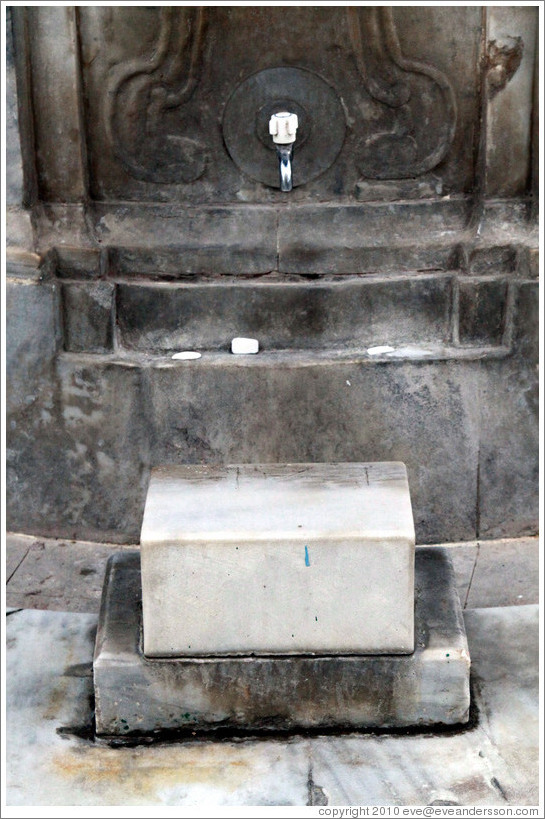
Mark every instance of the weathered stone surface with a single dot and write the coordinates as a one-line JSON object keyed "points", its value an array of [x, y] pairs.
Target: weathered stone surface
{"points": [[57, 575], [429, 187], [35, 459], [494, 260], [79, 262], [529, 262], [353, 313], [509, 449], [88, 317], [33, 339], [56, 102], [161, 244], [126, 56], [525, 332], [324, 553], [506, 573], [127, 176], [353, 239], [14, 161], [77, 456], [135, 695], [482, 307], [105, 442], [251, 409], [511, 48]]}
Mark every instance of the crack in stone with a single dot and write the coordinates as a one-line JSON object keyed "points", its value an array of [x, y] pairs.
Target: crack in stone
{"points": [[472, 574], [18, 565], [316, 794]]}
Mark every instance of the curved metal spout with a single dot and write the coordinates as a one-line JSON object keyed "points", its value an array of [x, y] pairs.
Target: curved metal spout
{"points": [[284, 153], [283, 129]]}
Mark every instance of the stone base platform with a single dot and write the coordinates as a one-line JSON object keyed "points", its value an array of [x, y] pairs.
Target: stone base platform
{"points": [[136, 696]]}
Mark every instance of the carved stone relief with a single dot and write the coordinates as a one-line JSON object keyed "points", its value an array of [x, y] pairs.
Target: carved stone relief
{"points": [[146, 98], [163, 86], [415, 123]]}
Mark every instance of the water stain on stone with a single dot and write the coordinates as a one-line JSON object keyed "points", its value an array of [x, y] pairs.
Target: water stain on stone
{"points": [[115, 773], [79, 670]]}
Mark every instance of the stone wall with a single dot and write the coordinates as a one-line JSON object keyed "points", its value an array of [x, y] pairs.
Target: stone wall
{"points": [[137, 226]]}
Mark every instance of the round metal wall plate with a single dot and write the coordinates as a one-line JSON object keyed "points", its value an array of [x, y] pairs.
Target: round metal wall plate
{"points": [[320, 134]]}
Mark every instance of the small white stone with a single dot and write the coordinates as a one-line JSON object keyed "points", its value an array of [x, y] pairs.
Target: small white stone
{"points": [[186, 355], [244, 346], [379, 350]]}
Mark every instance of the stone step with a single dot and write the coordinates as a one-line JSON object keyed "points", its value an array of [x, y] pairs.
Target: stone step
{"points": [[138, 696], [278, 559], [346, 313], [287, 315]]}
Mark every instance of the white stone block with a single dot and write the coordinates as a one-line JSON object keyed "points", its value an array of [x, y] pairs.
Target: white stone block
{"points": [[278, 559]]}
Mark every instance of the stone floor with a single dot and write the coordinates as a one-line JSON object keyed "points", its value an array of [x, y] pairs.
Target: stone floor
{"points": [[52, 760]]}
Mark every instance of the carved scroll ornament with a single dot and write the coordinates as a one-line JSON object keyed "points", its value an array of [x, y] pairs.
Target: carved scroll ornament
{"points": [[147, 125], [415, 118]]}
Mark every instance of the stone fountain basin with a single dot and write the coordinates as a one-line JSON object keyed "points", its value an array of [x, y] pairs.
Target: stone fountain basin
{"points": [[288, 315]]}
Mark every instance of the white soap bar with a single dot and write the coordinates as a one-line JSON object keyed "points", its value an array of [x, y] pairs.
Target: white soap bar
{"points": [[278, 559], [186, 355], [385, 348], [245, 346]]}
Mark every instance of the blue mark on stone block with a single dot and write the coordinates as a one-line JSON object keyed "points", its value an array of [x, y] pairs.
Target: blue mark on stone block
{"points": [[307, 559]]}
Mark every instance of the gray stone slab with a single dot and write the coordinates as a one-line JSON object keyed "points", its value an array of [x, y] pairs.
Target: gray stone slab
{"points": [[496, 259], [389, 190], [135, 695], [508, 638], [512, 42], [14, 161], [106, 446], [79, 262], [33, 338], [525, 330], [482, 305], [55, 88], [529, 261], [58, 575], [162, 243], [284, 315], [51, 761], [506, 573], [88, 313], [508, 498], [352, 239], [77, 457]]}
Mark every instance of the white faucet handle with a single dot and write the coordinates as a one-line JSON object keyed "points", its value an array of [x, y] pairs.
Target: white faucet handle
{"points": [[283, 127]]}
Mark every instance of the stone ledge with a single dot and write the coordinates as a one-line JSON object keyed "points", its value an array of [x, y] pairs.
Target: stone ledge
{"points": [[136, 696], [164, 241], [291, 359]]}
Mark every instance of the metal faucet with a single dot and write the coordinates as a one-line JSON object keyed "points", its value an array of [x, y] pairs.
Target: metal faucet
{"points": [[283, 129]]}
